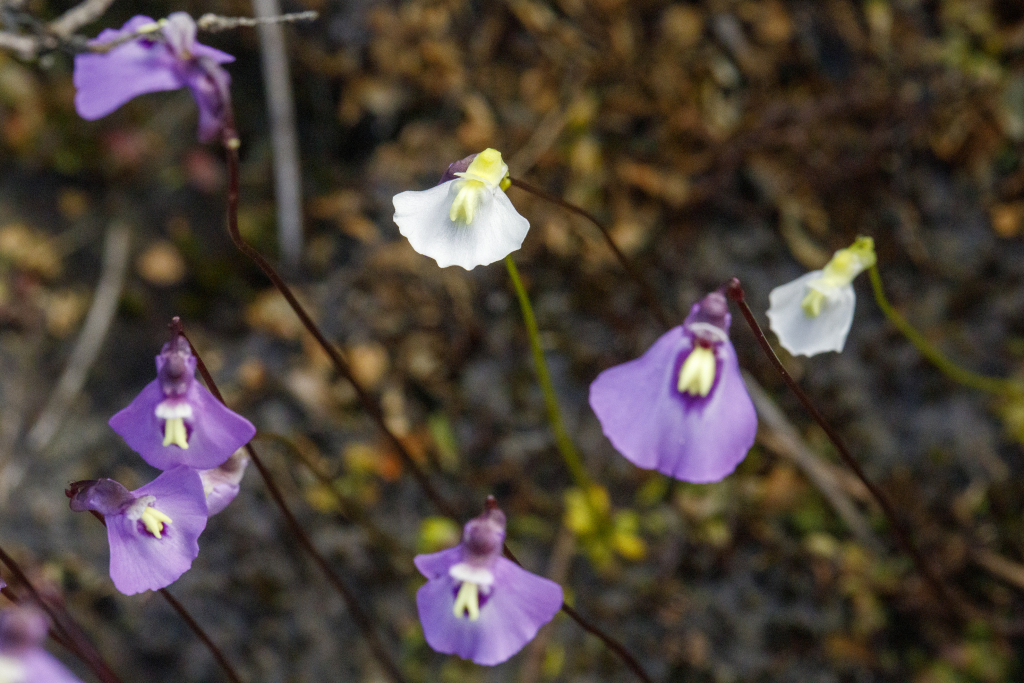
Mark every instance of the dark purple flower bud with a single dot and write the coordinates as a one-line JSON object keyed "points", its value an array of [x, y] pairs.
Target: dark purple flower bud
{"points": [[484, 536], [165, 57], [478, 605], [104, 496], [682, 408], [176, 421], [455, 167], [176, 367]]}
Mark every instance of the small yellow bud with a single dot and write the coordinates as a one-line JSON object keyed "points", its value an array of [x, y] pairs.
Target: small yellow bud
{"points": [[487, 167], [848, 263], [468, 601], [154, 521], [697, 375], [175, 432]]}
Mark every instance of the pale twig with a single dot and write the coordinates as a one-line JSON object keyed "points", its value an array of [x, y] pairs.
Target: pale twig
{"points": [[277, 82], [90, 340], [25, 47], [558, 571], [78, 16], [779, 435], [214, 22]]}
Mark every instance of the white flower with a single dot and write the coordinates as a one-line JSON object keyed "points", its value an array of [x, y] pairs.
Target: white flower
{"points": [[467, 221], [813, 313]]}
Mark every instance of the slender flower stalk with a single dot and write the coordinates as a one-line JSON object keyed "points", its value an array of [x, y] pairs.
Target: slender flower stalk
{"points": [[948, 596], [222, 661], [573, 461], [360, 615], [946, 366], [645, 288]]}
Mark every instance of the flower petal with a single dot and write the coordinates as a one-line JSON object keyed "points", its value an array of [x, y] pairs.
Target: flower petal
{"points": [[653, 425], [802, 335], [496, 231], [106, 81], [140, 561], [217, 432], [42, 667], [519, 604], [437, 564]]}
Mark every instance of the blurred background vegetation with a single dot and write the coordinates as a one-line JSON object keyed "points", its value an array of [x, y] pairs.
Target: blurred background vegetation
{"points": [[723, 138]]}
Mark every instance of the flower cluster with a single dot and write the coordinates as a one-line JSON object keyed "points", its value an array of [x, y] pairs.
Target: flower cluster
{"points": [[150, 56], [178, 426]]}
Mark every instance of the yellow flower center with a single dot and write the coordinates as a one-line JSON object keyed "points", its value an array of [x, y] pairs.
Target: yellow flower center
{"points": [[154, 521], [486, 172], [468, 601], [175, 433], [697, 375], [174, 412]]}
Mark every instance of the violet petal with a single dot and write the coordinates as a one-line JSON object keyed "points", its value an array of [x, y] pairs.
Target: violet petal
{"points": [[138, 560], [519, 604], [645, 417]]}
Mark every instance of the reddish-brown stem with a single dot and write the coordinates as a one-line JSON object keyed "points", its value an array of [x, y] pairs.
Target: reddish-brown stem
{"points": [[370, 404], [947, 595], [201, 634], [615, 646], [361, 617], [65, 626], [649, 294]]}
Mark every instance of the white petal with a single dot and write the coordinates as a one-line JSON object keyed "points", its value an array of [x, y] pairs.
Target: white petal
{"points": [[496, 231], [802, 335]]}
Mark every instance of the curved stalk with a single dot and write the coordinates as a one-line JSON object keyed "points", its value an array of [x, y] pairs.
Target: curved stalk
{"points": [[929, 351], [570, 455]]}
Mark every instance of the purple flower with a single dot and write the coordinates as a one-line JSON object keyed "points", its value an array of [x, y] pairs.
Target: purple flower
{"points": [[478, 605], [682, 407], [176, 421], [22, 659], [221, 484], [165, 57], [153, 531]]}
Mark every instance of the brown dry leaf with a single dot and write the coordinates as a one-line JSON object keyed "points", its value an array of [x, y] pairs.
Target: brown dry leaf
{"points": [[64, 310], [30, 250], [672, 187], [683, 25], [271, 313], [369, 363], [72, 203], [161, 264], [1007, 219]]}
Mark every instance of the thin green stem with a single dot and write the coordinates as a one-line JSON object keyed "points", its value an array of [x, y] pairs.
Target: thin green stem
{"points": [[565, 446], [925, 348]]}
